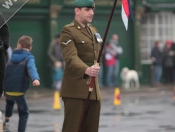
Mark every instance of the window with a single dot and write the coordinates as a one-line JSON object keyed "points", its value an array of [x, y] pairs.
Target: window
{"points": [[155, 26]]}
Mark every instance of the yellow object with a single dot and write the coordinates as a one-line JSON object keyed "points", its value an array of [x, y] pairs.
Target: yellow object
{"points": [[56, 103], [14, 93], [117, 100]]}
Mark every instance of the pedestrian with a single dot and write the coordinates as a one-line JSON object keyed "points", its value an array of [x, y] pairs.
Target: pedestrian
{"points": [[80, 44], [19, 70], [4, 44], [168, 62], [57, 75], [114, 50], [173, 49], [110, 59], [119, 51], [157, 58], [55, 58]]}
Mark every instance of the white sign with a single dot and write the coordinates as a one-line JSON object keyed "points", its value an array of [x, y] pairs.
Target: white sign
{"points": [[8, 8]]}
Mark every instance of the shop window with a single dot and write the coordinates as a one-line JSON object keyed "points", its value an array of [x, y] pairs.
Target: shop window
{"points": [[155, 26]]}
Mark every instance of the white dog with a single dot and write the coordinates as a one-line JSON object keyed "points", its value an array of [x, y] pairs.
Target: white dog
{"points": [[129, 75]]}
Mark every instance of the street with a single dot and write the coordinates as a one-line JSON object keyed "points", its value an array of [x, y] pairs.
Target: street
{"points": [[141, 111]]}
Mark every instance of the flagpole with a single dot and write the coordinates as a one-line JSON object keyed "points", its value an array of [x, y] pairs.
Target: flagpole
{"points": [[98, 61]]}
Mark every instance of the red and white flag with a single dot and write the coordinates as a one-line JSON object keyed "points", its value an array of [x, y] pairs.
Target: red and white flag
{"points": [[126, 12]]}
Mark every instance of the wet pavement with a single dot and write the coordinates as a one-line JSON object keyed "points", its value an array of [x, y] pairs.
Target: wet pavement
{"points": [[150, 110]]}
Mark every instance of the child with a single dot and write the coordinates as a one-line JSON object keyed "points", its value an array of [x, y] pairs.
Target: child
{"points": [[57, 75], [19, 69]]}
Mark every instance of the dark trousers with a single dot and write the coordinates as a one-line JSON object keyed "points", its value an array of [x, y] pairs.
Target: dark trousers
{"points": [[2, 69], [169, 75], [22, 110], [73, 110], [110, 76]]}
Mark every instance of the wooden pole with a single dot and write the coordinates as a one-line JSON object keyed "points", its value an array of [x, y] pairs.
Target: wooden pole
{"points": [[98, 60]]}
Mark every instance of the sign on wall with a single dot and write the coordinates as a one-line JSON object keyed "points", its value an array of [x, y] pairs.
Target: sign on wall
{"points": [[8, 8]]}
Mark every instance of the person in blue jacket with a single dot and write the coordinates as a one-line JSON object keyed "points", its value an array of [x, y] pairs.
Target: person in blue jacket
{"points": [[19, 70]]}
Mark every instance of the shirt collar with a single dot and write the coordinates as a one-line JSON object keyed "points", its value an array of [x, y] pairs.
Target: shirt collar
{"points": [[82, 25]]}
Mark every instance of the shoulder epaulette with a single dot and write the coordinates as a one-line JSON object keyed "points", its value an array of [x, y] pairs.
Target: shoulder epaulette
{"points": [[70, 25]]}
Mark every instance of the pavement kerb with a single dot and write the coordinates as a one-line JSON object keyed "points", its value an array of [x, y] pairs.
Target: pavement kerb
{"points": [[148, 89], [49, 92], [40, 92]]}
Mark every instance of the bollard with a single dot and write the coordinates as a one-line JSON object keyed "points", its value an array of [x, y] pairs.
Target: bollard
{"points": [[1, 122]]}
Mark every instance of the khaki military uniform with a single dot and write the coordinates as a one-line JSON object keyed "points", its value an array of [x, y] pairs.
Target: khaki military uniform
{"points": [[80, 50]]}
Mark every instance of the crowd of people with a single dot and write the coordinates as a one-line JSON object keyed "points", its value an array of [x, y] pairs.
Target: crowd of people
{"points": [[163, 63]]}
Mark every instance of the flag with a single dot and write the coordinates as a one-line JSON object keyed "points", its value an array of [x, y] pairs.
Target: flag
{"points": [[126, 12]]}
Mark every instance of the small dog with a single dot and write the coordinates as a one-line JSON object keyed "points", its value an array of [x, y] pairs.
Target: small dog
{"points": [[129, 75]]}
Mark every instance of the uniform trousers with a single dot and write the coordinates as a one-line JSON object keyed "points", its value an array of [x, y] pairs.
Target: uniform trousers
{"points": [[73, 110]]}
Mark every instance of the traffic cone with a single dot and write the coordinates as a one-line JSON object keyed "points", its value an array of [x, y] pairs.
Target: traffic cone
{"points": [[117, 100], [56, 103]]}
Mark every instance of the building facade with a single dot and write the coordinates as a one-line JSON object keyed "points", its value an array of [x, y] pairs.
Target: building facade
{"points": [[42, 19]]}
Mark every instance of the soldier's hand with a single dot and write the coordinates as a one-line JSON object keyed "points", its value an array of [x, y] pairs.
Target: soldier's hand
{"points": [[36, 83], [92, 71]]}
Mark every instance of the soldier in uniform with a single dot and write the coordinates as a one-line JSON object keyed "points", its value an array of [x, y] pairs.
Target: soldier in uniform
{"points": [[4, 44], [80, 45]]}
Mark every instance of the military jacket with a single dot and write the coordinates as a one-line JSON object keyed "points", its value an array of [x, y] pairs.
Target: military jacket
{"points": [[80, 50]]}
